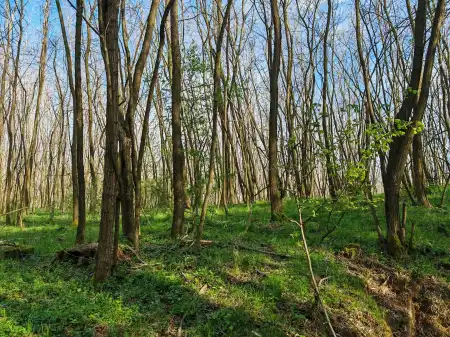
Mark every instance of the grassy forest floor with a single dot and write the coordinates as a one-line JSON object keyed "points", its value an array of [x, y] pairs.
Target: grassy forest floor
{"points": [[251, 282]]}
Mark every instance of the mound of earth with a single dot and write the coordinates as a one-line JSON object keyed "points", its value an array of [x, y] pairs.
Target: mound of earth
{"points": [[414, 306]]}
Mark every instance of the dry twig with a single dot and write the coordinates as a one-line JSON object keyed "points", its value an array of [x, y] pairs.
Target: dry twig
{"points": [[313, 279]]}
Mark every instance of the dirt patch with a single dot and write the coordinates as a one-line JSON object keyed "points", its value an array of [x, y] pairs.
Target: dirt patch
{"points": [[245, 278], [415, 306], [433, 312], [101, 331], [346, 320], [175, 328]]}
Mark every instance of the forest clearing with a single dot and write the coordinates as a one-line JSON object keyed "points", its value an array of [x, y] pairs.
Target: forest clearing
{"points": [[224, 168]]}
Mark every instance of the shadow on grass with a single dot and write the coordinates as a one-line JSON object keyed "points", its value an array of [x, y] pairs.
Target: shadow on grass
{"points": [[63, 302]]}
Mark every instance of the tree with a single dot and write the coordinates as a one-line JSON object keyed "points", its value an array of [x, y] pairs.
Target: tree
{"points": [[108, 11], [79, 126], [411, 113], [177, 145], [274, 69], [217, 100], [75, 187], [418, 171], [331, 175]]}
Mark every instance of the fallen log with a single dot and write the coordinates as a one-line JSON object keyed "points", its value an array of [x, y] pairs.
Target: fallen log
{"points": [[82, 254], [15, 251]]}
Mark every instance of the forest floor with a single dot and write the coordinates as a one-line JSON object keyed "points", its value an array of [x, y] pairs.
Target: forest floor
{"points": [[250, 281]]}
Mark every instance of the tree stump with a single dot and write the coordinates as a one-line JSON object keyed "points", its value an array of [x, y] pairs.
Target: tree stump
{"points": [[80, 254]]}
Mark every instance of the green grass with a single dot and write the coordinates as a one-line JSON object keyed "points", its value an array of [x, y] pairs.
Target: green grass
{"points": [[222, 291]]}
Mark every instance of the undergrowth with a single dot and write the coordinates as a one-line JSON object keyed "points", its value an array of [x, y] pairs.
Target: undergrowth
{"points": [[229, 288]]}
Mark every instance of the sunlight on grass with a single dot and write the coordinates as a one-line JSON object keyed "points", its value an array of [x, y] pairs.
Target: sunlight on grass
{"points": [[224, 290]]}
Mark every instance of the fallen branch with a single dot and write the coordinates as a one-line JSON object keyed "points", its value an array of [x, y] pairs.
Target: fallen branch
{"points": [[283, 256], [313, 279], [137, 256], [322, 280], [14, 211]]}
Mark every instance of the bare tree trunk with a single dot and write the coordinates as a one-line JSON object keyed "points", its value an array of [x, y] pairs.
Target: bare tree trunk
{"points": [[419, 172], [9, 172], [109, 39], [217, 99], [79, 126], [274, 61], [292, 148], [177, 145], [412, 109], [29, 160], [126, 137], [93, 195], [329, 152], [3, 111], [74, 133]]}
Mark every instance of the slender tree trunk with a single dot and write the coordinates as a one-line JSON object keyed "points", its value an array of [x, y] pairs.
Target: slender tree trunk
{"points": [[126, 136], [329, 152], [292, 141], [73, 148], [12, 112], [217, 99], [79, 126], [29, 160], [93, 195], [275, 59], [3, 111], [177, 145], [419, 172]]}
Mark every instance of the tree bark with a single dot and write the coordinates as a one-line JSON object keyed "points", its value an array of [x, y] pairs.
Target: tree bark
{"points": [[274, 59], [217, 99], [109, 39], [412, 110], [9, 169], [74, 133], [329, 151], [177, 145], [93, 195], [419, 172], [79, 126]]}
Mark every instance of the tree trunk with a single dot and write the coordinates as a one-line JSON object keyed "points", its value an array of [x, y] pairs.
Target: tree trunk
{"points": [[274, 59], [412, 109], [79, 126], [12, 112], [217, 99], [108, 26], [74, 133], [93, 195], [329, 152], [419, 172], [177, 145]]}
